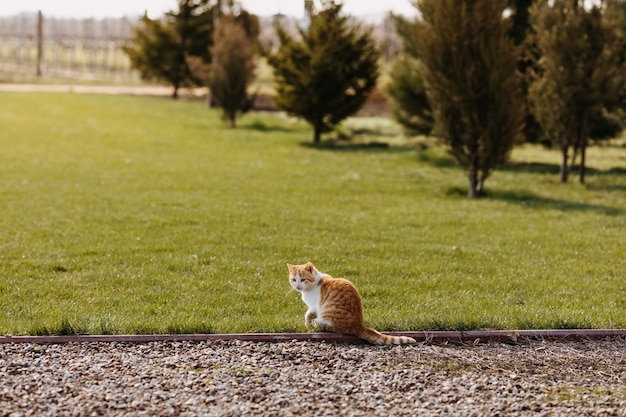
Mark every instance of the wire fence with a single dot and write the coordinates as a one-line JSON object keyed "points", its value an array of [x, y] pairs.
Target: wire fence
{"points": [[33, 46]]}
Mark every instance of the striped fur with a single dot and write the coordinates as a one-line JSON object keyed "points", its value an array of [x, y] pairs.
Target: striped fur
{"points": [[334, 305], [377, 338]]}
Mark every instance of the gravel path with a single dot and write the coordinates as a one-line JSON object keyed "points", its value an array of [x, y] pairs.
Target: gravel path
{"points": [[314, 379]]}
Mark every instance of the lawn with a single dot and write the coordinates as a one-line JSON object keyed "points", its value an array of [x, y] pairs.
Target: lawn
{"points": [[124, 214]]}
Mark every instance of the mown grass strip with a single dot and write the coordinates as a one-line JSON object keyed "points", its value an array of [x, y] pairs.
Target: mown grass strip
{"points": [[142, 215]]}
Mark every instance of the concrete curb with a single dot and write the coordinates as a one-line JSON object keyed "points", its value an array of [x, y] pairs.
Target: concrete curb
{"points": [[458, 337]]}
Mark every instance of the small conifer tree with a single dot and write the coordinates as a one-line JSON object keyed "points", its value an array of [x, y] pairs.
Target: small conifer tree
{"points": [[233, 69], [327, 74], [407, 96], [160, 48], [405, 87]]}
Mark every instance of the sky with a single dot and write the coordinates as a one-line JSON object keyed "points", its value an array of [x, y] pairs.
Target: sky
{"points": [[118, 8]]}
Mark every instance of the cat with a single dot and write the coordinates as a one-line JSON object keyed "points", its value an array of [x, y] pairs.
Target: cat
{"points": [[335, 305]]}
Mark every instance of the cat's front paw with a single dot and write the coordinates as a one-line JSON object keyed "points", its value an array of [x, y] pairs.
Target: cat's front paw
{"points": [[321, 325], [309, 319], [314, 326]]}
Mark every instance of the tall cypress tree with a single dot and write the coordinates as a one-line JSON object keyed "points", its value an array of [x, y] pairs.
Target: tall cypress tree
{"points": [[327, 74], [469, 66], [580, 74]]}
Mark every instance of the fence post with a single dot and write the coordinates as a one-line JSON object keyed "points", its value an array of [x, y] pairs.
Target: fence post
{"points": [[39, 42]]}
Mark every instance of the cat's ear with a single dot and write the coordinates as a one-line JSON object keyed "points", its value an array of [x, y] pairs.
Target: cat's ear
{"points": [[309, 267], [290, 267]]}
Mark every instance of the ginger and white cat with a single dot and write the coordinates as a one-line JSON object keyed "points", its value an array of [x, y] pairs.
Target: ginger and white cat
{"points": [[335, 305]]}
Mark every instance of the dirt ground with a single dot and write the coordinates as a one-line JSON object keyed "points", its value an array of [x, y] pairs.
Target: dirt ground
{"points": [[375, 106]]}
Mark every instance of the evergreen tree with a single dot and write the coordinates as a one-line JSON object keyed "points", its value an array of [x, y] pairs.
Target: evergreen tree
{"points": [[616, 12], [327, 74], [520, 16], [580, 74], [233, 68], [407, 96], [469, 67], [160, 49], [405, 87], [522, 34]]}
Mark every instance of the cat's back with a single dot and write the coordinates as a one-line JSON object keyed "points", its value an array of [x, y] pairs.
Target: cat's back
{"points": [[340, 304], [337, 289]]}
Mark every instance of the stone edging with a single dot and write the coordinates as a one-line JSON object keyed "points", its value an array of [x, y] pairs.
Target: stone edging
{"points": [[473, 336]]}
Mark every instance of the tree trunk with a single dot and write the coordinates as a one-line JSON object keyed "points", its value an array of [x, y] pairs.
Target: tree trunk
{"points": [[317, 135], [582, 143], [479, 187], [472, 192], [582, 163], [474, 186], [564, 164]]}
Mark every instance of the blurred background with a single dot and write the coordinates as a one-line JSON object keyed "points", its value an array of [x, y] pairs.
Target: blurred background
{"points": [[65, 41]]}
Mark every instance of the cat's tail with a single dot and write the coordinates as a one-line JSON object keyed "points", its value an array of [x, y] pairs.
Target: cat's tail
{"points": [[377, 338]]}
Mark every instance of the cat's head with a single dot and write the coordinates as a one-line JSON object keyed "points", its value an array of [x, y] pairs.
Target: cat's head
{"points": [[302, 277]]}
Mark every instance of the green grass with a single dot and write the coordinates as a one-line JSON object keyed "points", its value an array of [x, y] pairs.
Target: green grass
{"points": [[139, 215]]}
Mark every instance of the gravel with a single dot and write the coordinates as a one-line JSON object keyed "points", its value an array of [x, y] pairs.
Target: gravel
{"points": [[239, 378]]}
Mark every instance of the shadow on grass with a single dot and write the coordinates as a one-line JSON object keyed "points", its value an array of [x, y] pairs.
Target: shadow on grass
{"points": [[446, 161], [543, 168], [614, 171], [607, 187], [372, 133], [537, 168], [261, 126], [63, 328], [532, 200], [347, 146], [439, 161], [529, 199], [531, 168]]}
